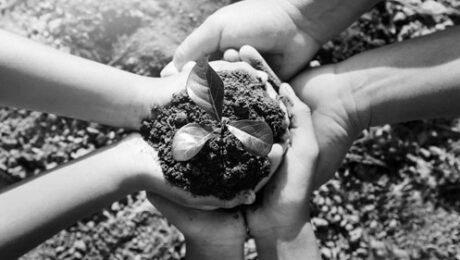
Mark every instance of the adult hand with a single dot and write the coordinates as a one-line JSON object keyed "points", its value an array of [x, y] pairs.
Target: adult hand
{"points": [[207, 233], [336, 119], [287, 32], [280, 220], [271, 26]]}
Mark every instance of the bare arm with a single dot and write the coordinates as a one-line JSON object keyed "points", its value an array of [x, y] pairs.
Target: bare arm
{"points": [[416, 79], [34, 210], [325, 19], [287, 32], [40, 78]]}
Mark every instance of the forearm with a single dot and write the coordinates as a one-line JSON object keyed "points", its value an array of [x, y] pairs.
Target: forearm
{"points": [[416, 79], [300, 245], [37, 77], [325, 19], [203, 251], [36, 209]]}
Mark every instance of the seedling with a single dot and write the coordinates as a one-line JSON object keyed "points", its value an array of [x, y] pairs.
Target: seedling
{"points": [[206, 89]]}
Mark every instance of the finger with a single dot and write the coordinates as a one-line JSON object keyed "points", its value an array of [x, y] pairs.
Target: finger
{"points": [[299, 112], [250, 55], [234, 66], [188, 66], [165, 206], [303, 138], [203, 41], [211, 202], [246, 197], [271, 91], [231, 55], [276, 156], [168, 70], [263, 77]]}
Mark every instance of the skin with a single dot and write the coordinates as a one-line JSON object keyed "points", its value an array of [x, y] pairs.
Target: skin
{"points": [[37, 208], [207, 233], [415, 79], [50, 81], [279, 222], [287, 32], [36, 77]]}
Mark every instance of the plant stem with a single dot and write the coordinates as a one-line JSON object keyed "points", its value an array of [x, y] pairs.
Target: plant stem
{"points": [[222, 130]]}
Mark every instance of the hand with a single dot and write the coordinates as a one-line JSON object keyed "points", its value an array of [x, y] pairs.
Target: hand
{"points": [[144, 173], [207, 233], [272, 26], [277, 151], [280, 221], [336, 120]]}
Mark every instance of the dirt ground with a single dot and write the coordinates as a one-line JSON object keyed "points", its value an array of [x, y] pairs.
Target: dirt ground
{"points": [[396, 195]]}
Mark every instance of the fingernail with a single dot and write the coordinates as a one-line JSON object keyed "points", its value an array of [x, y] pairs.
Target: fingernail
{"points": [[271, 91], [249, 197], [263, 77], [168, 70]]}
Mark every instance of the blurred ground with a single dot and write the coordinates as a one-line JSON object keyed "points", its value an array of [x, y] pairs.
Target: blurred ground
{"points": [[395, 197]]}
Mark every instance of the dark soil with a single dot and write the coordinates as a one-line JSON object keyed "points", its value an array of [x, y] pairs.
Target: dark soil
{"points": [[212, 171]]}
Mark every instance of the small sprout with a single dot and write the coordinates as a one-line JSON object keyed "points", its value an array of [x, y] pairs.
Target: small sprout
{"points": [[256, 136], [189, 140], [206, 89]]}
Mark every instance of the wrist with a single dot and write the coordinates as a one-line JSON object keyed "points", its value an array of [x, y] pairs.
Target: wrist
{"points": [[156, 92], [205, 249], [329, 91], [357, 98], [325, 19], [143, 170], [299, 244]]}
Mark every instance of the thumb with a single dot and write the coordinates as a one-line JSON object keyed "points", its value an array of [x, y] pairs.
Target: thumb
{"points": [[203, 41]]}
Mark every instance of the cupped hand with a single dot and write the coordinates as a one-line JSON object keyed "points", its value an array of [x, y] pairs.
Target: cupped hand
{"points": [[148, 175], [271, 26], [283, 207], [276, 154], [336, 120], [210, 227], [329, 95]]}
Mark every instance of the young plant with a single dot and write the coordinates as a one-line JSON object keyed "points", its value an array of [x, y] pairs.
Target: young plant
{"points": [[206, 89]]}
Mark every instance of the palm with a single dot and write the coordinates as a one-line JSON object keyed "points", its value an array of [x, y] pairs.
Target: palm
{"points": [[219, 226], [334, 122]]}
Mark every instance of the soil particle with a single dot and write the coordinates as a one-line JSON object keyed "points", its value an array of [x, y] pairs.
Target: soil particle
{"points": [[223, 167]]}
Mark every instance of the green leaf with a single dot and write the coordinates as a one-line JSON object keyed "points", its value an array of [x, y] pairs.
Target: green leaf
{"points": [[189, 140], [206, 88], [256, 136]]}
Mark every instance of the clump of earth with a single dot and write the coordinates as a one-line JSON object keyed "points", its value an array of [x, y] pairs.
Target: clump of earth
{"points": [[223, 167]]}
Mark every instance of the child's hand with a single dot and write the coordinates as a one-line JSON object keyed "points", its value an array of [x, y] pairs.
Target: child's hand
{"points": [[146, 174], [280, 220], [207, 233]]}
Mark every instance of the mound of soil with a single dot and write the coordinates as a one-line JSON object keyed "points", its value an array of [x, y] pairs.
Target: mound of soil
{"points": [[223, 167]]}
